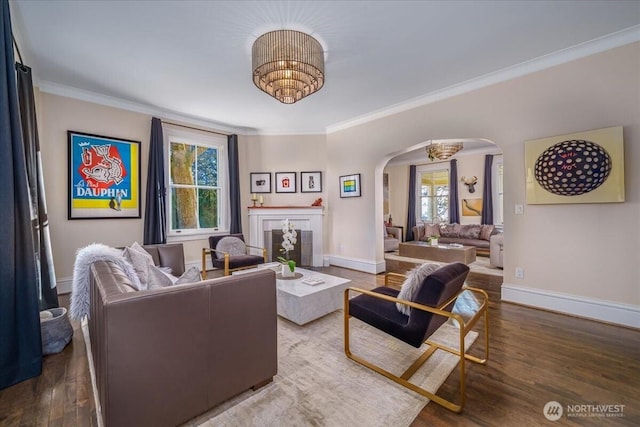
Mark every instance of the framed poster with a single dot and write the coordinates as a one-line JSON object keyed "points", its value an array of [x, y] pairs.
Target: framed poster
{"points": [[350, 186], [104, 177], [310, 182], [584, 167], [471, 207], [286, 182], [260, 182]]}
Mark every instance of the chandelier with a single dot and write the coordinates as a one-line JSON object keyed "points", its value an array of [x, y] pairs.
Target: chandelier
{"points": [[443, 150], [288, 65]]}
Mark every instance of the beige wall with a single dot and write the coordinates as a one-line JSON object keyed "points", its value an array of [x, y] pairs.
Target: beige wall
{"points": [[585, 250]]}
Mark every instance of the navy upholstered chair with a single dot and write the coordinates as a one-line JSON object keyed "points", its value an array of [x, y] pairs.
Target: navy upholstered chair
{"points": [[231, 254], [431, 308]]}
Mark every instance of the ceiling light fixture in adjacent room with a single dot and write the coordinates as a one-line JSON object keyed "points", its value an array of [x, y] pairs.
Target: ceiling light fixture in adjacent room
{"points": [[288, 65], [442, 150]]}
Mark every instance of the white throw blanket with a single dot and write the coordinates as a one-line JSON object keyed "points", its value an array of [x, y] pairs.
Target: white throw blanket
{"points": [[82, 273]]}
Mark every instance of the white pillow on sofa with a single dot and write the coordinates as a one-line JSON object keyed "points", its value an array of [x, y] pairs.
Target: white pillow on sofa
{"points": [[160, 279], [141, 261], [412, 284]]}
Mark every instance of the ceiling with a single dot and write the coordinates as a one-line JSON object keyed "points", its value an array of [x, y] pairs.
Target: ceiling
{"points": [[192, 59]]}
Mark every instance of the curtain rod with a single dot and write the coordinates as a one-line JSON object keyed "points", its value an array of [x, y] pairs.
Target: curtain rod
{"points": [[191, 127]]}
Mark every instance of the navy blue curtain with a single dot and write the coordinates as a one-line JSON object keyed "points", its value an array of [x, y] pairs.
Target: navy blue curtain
{"points": [[411, 206], [234, 185], [41, 237], [487, 191], [454, 210], [20, 342], [155, 224]]}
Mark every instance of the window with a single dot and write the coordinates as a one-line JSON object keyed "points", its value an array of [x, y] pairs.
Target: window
{"points": [[498, 190], [433, 196], [197, 188]]}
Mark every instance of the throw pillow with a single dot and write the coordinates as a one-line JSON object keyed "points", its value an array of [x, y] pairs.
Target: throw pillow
{"points": [[470, 231], [192, 275], [411, 285], [231, 245], [487, 230], [432, 230], [450, 230], [141, 260], [158, 279]]}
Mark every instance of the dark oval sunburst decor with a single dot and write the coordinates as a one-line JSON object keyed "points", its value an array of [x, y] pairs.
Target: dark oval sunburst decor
{"points": [[573, 167]]}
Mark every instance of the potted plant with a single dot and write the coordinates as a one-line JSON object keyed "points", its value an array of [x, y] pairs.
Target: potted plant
{"points": [[289, 239], [433, 240]]}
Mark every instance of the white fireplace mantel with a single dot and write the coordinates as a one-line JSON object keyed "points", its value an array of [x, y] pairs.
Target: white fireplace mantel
{"points": [[263, 219]]}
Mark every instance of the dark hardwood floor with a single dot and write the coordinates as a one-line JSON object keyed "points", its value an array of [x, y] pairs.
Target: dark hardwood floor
{"points": [[535, 357]]}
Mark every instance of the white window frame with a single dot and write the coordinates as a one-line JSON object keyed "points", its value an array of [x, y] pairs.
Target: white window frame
{"points": [[172, 134], [498, 197], [419, 171]]}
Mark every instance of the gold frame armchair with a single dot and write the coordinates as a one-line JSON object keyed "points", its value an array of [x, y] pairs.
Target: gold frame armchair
{"points": [[229, 262], [431, 307]]}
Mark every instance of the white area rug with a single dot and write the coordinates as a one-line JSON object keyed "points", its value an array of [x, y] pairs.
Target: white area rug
{"points": [[480, 265], [317, 385]]}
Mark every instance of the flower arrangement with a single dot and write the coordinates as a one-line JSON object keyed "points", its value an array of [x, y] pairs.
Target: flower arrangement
{"points": [[289, 239]]}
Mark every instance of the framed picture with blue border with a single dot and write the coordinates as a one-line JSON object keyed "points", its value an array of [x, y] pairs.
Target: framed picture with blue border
{"points": [[350, 186], [104, 177]]}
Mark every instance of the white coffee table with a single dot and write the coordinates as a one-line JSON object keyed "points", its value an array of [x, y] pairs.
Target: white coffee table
{"points": [[302, 303]]}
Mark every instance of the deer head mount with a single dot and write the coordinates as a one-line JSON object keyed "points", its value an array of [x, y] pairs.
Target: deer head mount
{"points": [[470, 183]]}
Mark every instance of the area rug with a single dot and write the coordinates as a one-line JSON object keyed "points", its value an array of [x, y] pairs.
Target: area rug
{"points": [[481, 265], [317, 385]]}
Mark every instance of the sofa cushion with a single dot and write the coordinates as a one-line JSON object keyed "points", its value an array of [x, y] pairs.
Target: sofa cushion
{"points": [[486, 231], [450, 230], [412, 284], [231, 245], [141, 260], [192, 275], [158, 279], [470, 231], [432, 230]]}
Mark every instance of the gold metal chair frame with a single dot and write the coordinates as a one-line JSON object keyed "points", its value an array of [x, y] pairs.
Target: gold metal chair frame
{"points": [[227, 270], [464, 328]]}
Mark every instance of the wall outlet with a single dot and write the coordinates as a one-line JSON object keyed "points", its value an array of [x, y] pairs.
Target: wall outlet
{"points": [[519, 273], [519, 209]]}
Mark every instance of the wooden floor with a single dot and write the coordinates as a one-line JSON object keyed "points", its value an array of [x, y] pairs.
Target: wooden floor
{"points": [[536, 357]]}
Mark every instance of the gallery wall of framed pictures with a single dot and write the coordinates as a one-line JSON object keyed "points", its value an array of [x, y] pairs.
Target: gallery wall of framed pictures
{"points": [[286, 182]]}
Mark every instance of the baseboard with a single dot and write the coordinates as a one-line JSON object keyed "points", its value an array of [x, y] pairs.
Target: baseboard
{"points": [[64, 283], [605, 311], [367, 266]]}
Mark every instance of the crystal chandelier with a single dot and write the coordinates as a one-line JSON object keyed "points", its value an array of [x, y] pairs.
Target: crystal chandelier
{"points": [[442, 150], [288, 65]]}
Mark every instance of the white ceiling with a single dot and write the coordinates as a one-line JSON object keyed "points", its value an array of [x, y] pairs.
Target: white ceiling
{"points": [[193, 58]]}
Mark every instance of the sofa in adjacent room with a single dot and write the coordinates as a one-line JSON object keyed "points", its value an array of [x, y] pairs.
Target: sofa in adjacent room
{"points": [[466, 234], [392, 238], [165, 355]]}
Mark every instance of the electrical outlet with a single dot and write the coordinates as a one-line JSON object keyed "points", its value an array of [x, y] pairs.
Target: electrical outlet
{"points": [[519, 273], [519, 209]]}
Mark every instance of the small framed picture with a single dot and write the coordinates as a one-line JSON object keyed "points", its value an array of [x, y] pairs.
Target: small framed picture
{"points": [[310, 182], [350, 185], [260, 182], [286, 182]]}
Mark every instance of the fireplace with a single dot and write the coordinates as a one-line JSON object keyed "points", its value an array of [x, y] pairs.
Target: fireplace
{"points": [[265, 222]]}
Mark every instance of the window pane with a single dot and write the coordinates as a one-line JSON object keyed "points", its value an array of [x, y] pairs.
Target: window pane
{"points": [[208, 205], [182, 158], [207, 166], [183, 208]]}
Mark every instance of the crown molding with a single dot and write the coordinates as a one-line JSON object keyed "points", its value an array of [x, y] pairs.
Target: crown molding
{"points": [[601, 44], [110, 101]]}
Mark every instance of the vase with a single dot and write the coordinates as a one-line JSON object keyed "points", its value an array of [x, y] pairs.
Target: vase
{"points": [[286, 271]]}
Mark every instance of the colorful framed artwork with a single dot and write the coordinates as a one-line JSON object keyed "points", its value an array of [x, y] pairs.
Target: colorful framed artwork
{"points": [[104, 177], [584, 167], [260, 182], [286, 182], [310, 182], [471, 207], [350, 186]]}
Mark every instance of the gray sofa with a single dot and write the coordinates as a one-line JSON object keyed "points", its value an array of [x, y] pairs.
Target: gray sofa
{"points": [[466, 234], [392, 238], [164, 356]]}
